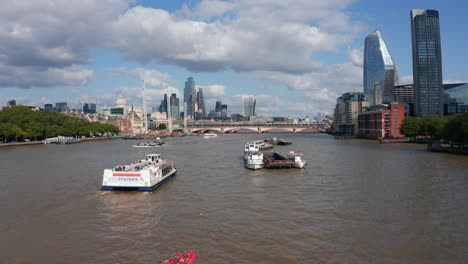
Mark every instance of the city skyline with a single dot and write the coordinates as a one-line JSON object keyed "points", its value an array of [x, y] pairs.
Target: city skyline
{"points": [[300, 61]]}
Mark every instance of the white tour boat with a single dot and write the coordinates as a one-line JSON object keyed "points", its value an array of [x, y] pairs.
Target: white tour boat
{"points": [[254, 160], [296, 159], [142, 175], [146, 145], [208, 135], [250, 147]]}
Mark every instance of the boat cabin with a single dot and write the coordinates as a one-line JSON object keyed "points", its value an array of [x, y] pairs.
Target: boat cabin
{"points": [[153, 157]]}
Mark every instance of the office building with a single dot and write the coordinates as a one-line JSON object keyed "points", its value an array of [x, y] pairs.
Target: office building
{"points": [[379, 69], [120, 108], [92, 108], [61, 107], [347, 108], [455, 98], [427, 63], [174, 103], [190, 95], [86, 108], [224, 108], [1, 104], [48, 107], [381, 123], [218, 105], [249, 105], [403, 94], [201, 108], [163, 105]]}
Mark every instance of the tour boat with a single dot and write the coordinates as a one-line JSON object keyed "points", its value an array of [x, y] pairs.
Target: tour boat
{"points": [[265, 146], [208, 135], [254, 160], [250, 147], [146, 145], [279, 141], [186, 258], [142, 175], [296, 159], [61, 140]]}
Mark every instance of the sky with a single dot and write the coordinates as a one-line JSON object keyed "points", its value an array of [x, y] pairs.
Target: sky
{"points": [[295, 56]]}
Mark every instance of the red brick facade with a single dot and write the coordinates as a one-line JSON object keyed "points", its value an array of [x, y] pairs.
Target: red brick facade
{"points": [[382, 123]]}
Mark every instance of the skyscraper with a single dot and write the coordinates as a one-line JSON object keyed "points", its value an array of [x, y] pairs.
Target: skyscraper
{"points": [[378, 69], [218, 105], [163, 105], [249, 106], [174, 102], [48, 107], [427, 63], [190, 95], [86, 108], [224, 110], [92, 108], [201, 111]]}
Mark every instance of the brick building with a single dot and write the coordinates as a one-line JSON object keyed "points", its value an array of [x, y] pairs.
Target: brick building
{"points": [[382, 123]]}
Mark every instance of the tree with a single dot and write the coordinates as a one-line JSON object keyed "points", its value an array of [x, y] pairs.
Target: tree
{"points": [[456, 129], [162, 126], [411, 126]]}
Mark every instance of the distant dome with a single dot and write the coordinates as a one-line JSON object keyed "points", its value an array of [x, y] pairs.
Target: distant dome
{"points": [[121, 102]]}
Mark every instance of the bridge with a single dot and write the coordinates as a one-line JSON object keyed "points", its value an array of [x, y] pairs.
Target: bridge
{"points": [[255, 127]]}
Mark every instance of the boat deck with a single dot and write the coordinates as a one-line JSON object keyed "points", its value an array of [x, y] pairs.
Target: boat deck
{"points": [[274, 160]]}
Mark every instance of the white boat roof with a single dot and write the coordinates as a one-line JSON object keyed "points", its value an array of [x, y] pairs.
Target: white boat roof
{"points": [[153, 155]]}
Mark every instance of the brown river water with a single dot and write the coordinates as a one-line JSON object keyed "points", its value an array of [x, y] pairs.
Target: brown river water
{"points": [[356, 201]]}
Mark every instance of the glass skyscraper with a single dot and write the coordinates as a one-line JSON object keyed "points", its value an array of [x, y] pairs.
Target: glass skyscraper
{"points": [[190, 96], [379, 69], [249, 106], [201, 111], [427, 63], [174, 102]]}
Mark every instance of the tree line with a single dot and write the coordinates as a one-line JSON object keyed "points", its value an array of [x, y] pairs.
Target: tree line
{"points": [[18, 123], [452, 128]]}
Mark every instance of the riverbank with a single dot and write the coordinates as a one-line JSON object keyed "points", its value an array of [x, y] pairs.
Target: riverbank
{"points": [[447, 149], [29, 143]]}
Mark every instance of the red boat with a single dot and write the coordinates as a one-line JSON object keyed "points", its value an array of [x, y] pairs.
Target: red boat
{"points": [[186, 258]]}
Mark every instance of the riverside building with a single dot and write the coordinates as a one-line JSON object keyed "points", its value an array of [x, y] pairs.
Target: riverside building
{"points": [[427, 63], [381, 122], [348, 106]]}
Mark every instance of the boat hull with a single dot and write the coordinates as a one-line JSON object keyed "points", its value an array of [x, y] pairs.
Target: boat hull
{"points": [[254, 166]]}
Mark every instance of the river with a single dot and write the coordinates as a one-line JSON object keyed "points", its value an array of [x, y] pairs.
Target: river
{"points": [[356, 201]]}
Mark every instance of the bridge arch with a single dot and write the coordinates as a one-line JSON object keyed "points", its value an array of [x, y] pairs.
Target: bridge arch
{"points": [[286, 129], [234, 129]]}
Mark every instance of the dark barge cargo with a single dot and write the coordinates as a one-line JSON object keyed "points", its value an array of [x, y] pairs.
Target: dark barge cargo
{"points": [[273, 160]]}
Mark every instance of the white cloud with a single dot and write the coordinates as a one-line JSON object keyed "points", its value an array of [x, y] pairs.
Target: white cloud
{"points": [[408, 79], [44, 39], [151, 77], [214, 91], [264, 35], [27, 77]]}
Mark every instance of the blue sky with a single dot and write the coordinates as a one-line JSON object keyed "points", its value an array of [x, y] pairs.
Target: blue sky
{"points": [[296, 56]]}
